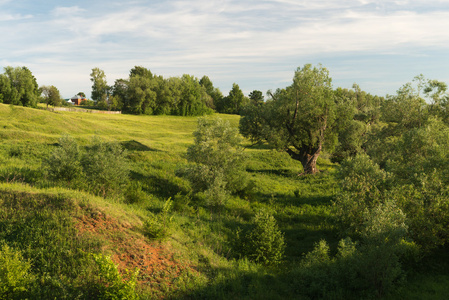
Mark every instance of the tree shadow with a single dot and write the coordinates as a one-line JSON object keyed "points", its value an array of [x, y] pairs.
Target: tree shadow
{"points": [[277, 172]]}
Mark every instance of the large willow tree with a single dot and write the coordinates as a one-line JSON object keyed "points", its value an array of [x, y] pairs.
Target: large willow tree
{"points": [[297, 119]]}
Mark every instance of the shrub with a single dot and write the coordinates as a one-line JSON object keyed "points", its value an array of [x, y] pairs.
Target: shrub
{"points": [[158, 227], [219, 161], [15, 274], [64, 162], [264, 243], [111, 285], [363, 187], [105, 167], [134, 193]]}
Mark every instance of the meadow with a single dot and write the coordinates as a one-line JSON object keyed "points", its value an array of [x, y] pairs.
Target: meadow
{"points": [[81, 245]]}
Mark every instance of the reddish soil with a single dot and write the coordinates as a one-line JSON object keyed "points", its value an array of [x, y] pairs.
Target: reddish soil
{"points": [[130, 250]]}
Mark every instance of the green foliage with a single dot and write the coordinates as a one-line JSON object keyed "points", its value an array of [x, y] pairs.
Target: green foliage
{"points": [[265, 242], [363, 186], [145, 93], [212, 91], [360, 271], [50, 95], [420, 151], [232, 103], [111, 285], [15, 276], [64, 162], [105, 167], [101, 168], [158, 227], [99, 85], [18, 86], [219, 164], [134, 193], [299, 119]]}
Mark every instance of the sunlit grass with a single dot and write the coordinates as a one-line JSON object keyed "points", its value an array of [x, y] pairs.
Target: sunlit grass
{"points": [[203, 237]]}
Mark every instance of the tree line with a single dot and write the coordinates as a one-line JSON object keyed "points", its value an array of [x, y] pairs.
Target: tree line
{"points": [[146, 93]]}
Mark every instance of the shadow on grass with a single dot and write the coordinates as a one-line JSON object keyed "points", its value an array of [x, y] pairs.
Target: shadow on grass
{"points": [[239, 283], [159, 187], [293, 200], [278, 172], [134, 145]]}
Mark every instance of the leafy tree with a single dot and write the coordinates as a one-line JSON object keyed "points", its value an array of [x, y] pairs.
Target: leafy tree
{"points": [[256, 97], [141, 94], [357, 114], [140, 71], [5, 89], [212, 91], [51, 95], [120, 91], [99, 85], [81, 94], [300, 118], [18, 86], [219, 166], [232, 103], [193, 98]]}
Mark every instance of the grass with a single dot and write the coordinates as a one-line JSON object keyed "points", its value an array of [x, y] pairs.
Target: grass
{"points": [[56, 226]]}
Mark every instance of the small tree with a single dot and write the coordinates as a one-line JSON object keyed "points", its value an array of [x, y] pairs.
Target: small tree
{"points": [[265, 242], [219, 164], [51, 95]]}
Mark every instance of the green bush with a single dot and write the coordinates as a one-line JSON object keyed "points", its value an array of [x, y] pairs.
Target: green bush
{"points": [[364, 271], [15, 276], [264, 243], [105, 167], [219, 163], [158, 227], [64, 162], [363, 187], [134, 193], [111, 285]]}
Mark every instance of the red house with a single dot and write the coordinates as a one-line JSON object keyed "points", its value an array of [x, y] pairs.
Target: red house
{"points": [[77, 99]]}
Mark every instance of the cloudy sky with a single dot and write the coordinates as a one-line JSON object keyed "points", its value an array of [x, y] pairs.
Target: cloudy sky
{"points": [[257, 44]]}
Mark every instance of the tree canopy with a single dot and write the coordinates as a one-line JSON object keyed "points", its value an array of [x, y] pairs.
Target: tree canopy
{"points": [[146, 93], [298, 119], [18, 86]]}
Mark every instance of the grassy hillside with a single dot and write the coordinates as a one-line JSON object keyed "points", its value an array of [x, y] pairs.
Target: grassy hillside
{"points": [[62, 228]]}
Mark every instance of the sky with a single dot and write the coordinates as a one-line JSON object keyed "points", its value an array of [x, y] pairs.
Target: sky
{"points": [[258, 44]]}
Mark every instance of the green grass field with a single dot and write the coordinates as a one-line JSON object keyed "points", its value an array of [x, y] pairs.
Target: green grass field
{"points": [[57, 227]]}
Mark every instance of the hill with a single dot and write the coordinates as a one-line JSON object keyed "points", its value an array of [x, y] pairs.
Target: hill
{"points": [[67, 231]]}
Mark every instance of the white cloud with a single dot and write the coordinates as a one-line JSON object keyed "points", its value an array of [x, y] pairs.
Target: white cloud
{"points": [[256, 39], [13, 17]]}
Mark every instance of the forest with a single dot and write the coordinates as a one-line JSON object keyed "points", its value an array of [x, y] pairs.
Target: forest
{"points": [[309, 192]]}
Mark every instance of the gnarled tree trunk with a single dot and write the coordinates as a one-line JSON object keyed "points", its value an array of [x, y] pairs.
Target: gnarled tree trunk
{"points": [[308, 158]]}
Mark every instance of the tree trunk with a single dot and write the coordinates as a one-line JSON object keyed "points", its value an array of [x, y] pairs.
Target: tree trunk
{"points": [[307, 157]]}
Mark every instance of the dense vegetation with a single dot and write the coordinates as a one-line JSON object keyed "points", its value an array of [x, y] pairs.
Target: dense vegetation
{"points": [[126, 206]]}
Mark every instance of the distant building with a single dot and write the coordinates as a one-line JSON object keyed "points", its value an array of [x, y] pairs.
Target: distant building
{"points": [[77, 99]]}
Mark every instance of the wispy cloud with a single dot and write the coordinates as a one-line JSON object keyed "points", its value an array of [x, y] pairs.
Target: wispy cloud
{"points": [[247, 41]]}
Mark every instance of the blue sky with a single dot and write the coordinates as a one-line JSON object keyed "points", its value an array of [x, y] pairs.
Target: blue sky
{"points": [[379, 45]]}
